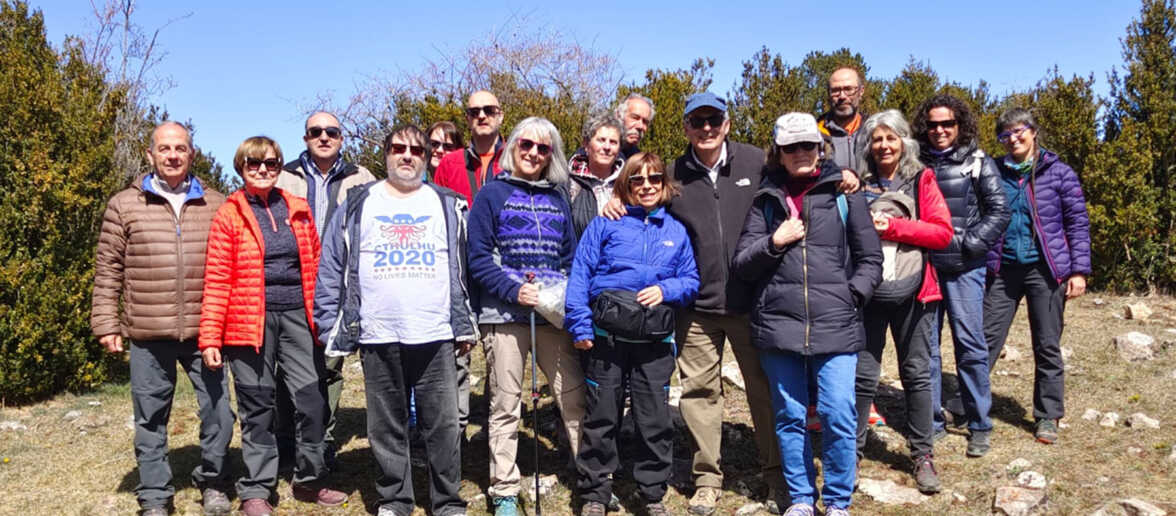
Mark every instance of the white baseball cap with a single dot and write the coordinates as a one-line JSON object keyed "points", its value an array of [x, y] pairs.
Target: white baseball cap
{"points": [[796, 127]]}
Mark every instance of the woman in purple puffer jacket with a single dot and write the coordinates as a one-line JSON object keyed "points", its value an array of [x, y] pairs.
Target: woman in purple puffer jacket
{"points": [[1044, 256]]}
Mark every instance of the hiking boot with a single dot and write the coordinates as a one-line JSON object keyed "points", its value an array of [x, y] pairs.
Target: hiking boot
{"points": [[506, 506], [216, 503], [321, 496], [836, 511], [978, 443], [938, 435], [656, 509], [154, 511], [800, 509], [256, 507], [387, 510], [1047, 431], [926, 478], [777, 499], [704, 501], [593, 509], [614, 503]]}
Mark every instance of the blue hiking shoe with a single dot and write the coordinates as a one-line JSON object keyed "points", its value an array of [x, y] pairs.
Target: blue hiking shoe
{"points": [[506, 506]]}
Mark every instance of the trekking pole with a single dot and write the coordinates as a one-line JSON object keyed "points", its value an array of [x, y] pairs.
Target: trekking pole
{"points": [[535, 401]]}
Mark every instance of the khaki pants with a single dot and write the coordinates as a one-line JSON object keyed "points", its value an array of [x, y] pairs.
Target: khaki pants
{"points": [[701, 337], [507, 346]]}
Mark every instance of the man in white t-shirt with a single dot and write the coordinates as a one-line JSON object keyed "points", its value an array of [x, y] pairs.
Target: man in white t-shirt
{"points": [[392, 284]]}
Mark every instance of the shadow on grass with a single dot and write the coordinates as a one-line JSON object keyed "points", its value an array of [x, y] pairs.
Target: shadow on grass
{"points": [[183, 461]]}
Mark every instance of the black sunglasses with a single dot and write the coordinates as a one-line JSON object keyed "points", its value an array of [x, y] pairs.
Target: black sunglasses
{"points": [[474, 111], [332, 132], [653, 179], [793, 147], [444, 146], [525, 146], [254, 164], [945, 124], [698, 122], [416, 150]]}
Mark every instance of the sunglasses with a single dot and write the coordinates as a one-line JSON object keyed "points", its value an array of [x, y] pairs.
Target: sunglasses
{"points": [[941, 124], [793, 147], [254, 164], [525, 146], [1007, 136], [444, 146], [474, 112], [652, 179], [416, 150], [698, 122], [332, 132]]}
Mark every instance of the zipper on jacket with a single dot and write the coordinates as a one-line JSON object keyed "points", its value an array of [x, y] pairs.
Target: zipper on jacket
{"points": [[808, 322], [722, 241], [179, 270]]}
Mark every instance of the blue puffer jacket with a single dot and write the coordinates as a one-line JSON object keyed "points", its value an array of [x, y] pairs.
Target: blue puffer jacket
{"points": [[1060, 222], [635, 252]]}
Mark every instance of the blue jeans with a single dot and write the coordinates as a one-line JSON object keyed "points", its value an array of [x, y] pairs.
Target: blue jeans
{"points": [[788, 375], [963, 301]]}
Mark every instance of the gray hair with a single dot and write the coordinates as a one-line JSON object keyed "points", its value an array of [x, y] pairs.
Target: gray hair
{"points": [[557, 167], [600, 121], [623, 108], [1013, 117], [908, 164]]}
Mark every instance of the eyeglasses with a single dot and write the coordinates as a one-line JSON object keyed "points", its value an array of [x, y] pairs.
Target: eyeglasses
{"points": [[793, 147], [444, 146], [416, 150], [474, 111], [846, 91], [254, 164], [525, 146], [652, 179], [941, 124], [1007, 136], [698, 122], [332, 132]]}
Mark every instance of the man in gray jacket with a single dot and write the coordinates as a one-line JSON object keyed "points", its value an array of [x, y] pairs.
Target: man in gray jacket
{"points": [[839, 125]]}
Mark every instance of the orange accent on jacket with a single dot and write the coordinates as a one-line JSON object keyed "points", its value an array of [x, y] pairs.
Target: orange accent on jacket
{"points": [[233, 313]]}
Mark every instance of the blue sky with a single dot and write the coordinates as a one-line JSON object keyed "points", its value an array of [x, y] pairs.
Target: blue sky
{"points": [[246, 68]]}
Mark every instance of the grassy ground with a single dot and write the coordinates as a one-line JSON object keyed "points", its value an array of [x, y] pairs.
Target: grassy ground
{"points": [[85, 465]]}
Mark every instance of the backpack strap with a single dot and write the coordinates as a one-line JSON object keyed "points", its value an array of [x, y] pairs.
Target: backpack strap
{"points": [[842, 207]]}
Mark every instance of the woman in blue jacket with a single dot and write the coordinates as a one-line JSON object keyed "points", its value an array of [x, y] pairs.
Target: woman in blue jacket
{"points": [[648, 252]]}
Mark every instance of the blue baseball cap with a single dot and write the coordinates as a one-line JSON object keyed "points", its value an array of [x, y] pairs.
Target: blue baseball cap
{"points": [[704, 99]]}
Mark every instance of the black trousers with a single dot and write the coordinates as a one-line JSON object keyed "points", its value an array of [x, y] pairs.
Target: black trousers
{"points": [[911, 324], [646, 368], [1047, 304]]}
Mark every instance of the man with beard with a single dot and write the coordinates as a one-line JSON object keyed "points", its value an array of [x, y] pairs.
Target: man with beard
{"points": [[841, 122], [636, 113], [466, 172]]}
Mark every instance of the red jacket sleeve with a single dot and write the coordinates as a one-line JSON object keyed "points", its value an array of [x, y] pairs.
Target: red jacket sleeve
{"points": [[218, 278], [933, 229]]}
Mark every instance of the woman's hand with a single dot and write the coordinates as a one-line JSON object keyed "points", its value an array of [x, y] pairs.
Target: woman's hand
{"points": [[583, 345], [789, 231], [881, 222], [529, 294], [1075, 286], [650, 296], [212, 358], [614, 209]]}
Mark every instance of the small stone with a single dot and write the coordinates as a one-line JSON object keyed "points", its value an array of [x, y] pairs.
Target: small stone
{"points": [[1018, 465], [732, 375], [13, 425], [95, 403], [1063, 425], [1010, 353], [1134, 451], [1003, 372], [1109, 420], [1104, 479], [73, 414], [675, 395], [741, 488], [474, 379], [958, 498], [749, 509], [130, 424], [1017, 501], [1172, 456], [1137, 311], [546, 482], [1135, 346], [1031, 479], [1140, 420], [1172, 374], [1137, 507], [1067, 353], [1091, 415], [887, 492], [1098, 301]]}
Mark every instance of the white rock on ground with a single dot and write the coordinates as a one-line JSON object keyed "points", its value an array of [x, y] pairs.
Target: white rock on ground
{"points": [[130, 424], [1031, 479], [1018, 465], [13, 425], [1010, 353], [1017, 501], [1135, 346], [1137, 311], [73, 414], [675, 395], [1172, 456], [546, 483], [1091, 415], [958, 498], [887, 492], [1134, 451], [1109, 419], [732, 375], [749, 509], [1129, 507], [1067, 353], [1140, 420]]}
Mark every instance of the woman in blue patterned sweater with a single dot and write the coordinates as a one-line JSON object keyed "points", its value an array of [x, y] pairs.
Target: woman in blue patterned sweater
{"points": [[522, 225]]}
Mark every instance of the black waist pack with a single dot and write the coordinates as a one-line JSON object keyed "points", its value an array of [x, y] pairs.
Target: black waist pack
{"points": [[619, 313]]}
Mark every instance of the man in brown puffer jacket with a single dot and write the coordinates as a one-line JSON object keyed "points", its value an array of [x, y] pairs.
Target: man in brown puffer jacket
{"points": [[151, 257]]}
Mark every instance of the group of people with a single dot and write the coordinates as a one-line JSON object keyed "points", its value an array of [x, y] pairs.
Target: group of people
{"points": [[611, 269]]}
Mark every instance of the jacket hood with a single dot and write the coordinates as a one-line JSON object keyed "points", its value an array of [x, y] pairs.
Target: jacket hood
{"points": [[143, 183]]}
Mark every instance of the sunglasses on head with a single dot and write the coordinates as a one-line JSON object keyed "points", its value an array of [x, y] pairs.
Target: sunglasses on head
{"points": [[945, 124], [475, 111], [698, 122], [254, 164], [655, 179], [793, 147], [525, 146], [416, 150], [444, 146], [332, 132]]}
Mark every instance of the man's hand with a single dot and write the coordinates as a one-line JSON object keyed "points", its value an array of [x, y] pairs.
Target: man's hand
{"points": [[650, 296], [849, 181], [113, 342], [464, 347], [529, 294], [1075, 286], [613, 210], [212, 358], [789, 231], [583, 345]]}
